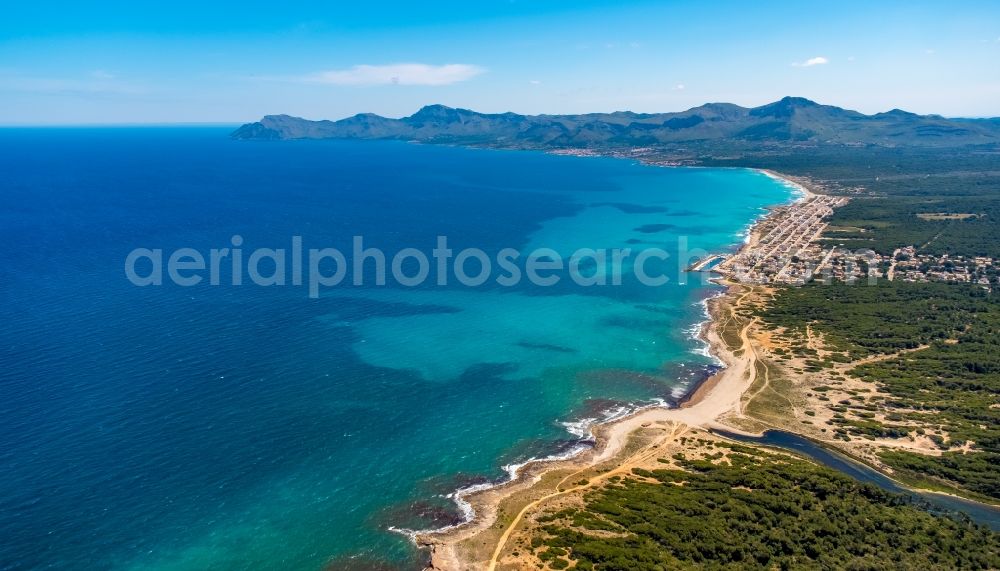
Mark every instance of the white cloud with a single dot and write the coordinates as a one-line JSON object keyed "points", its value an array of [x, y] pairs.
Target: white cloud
{"points": [[101, 74], [398, 74], [818, 60], [930, 52], [679, 87], [535, 82]]}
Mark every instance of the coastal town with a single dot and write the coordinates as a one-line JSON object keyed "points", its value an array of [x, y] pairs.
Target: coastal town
{"points": [[782, 246], [790, 246]]}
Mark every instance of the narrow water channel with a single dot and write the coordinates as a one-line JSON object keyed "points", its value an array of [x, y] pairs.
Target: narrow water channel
{"points": [[979, 512]]}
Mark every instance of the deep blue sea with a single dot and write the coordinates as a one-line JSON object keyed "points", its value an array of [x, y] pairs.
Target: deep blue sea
{"points": [[247, 427]]}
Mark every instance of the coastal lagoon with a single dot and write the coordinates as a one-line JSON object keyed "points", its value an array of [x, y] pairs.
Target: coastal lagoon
{"points": [[233, 427]]}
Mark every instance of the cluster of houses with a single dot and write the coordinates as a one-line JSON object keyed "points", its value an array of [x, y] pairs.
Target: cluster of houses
{"points": [[907, 264], [782, 248]]}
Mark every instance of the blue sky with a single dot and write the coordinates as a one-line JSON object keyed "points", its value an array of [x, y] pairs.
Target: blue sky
{"points": [[130, 62]]}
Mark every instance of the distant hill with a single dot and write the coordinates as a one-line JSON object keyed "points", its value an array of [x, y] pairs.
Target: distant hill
{"points": [[790, 120]]}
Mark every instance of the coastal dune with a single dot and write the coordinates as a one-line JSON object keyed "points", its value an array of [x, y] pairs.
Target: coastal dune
{"points": [[479, 543], [497, 511]]}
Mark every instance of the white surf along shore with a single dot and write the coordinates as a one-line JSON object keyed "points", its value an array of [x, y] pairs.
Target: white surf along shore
{"points": [[602, 438]]}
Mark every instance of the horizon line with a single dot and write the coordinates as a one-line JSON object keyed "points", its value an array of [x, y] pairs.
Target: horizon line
{"points": [[121, 124]]}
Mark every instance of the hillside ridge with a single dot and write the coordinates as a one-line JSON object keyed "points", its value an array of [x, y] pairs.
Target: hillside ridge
{"points": [[790, 120]]}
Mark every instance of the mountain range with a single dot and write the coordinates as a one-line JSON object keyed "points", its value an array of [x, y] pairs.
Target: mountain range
{"points": [[790, 120]]}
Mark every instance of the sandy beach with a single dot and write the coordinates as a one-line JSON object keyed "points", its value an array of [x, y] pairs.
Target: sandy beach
{"points": [[499, 509], [479, 543], [800, 185]]}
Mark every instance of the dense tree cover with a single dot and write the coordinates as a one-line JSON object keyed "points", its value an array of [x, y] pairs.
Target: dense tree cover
{"points": [[976, 472], [886, 223], [863, 320], [953, 384], [756, 510]]}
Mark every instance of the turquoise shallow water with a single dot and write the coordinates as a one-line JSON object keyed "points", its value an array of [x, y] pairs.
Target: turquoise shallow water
{"points": [[247, 427]]}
